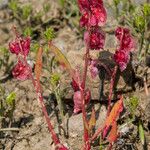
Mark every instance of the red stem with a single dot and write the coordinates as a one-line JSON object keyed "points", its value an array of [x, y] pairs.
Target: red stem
{"points": [[111, 89], [50, 127], [109, 102], [87, 145], [99, 130]]}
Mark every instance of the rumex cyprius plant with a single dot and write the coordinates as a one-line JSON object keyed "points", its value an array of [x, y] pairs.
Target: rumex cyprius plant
{"points": [[23, 71], [93, 18]]}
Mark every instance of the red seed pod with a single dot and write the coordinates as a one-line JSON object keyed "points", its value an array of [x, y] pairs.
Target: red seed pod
{"points": [[78, 100], [93, 13], [20, 46], [126, 40], [95, 39], [21, 71], [122, 58]]}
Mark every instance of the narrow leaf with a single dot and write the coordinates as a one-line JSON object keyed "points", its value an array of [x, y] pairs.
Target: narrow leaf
{"points": [[115, 112], [113, 133], [92, 120], [38, 65], [61, 58], [141, 133]]}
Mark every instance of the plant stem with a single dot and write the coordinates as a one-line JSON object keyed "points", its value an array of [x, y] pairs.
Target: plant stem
{"points": [[111, 89], [99, 130], [60, 104], [87, 145], [40, 97], [147, 48], [37, 87]]}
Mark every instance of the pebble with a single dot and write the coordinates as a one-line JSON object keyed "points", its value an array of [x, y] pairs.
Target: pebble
{"points": [[3, 4]]}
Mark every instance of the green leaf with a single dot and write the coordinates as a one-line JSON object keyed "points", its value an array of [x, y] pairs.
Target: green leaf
{"points": [[133, 104], [139, 22], [62, 2], [116, 2], [13, 5], [46, 7], [11, 98], [49, 34], [141, 133], [28, 31], [146, 9], [26, 11], [35, 47], [55, 77]]}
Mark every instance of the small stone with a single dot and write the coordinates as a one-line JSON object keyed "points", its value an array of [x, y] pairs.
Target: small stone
{"points": [[3, 3]]}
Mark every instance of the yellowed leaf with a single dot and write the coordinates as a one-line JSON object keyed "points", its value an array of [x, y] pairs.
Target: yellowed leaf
{"points": [[61, 58], [92, 120]]}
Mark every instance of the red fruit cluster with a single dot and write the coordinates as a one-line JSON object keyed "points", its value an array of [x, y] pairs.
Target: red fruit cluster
{"points": [[95, 39], [93, 16], [93, 13], [78, 100], [21, 71], [21, 47], [126, 40], [126, 45]]}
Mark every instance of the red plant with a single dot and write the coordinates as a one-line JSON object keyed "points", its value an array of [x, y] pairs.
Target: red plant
{"points": [[126, 45], [20, 46], [93, 17], [23, 71], [95, 38], [93, 13]]}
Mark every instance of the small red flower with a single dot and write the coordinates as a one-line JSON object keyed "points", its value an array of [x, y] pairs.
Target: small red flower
{"points": [[95, 39], [126, 40], [21, 71], [20, 46], [78, 100], [122, 59], [93, 13]]}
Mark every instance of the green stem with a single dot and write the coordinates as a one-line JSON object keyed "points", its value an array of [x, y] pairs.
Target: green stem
{"points": [[60, 104], [147, 47], [141, 45]]}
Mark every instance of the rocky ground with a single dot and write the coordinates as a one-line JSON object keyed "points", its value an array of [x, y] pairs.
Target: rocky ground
{"points": [[30, 129]]}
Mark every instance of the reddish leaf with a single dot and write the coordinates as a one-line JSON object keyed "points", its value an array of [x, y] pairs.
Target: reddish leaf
{"points": [[38, 65], [114, 114], [113, 133], [61, 58], [116, 110]]}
